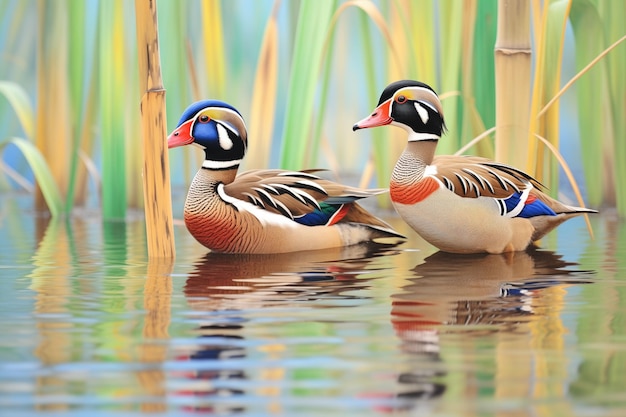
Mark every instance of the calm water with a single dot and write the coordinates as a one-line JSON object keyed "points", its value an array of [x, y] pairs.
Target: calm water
{"points": [[88, 327]]}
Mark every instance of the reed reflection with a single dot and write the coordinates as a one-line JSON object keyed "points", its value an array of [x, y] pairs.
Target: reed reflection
{"points": [[502, 300], [226, 287]]}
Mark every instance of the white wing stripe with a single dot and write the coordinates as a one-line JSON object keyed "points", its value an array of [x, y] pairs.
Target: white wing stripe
{"points": [[522, 201], [263, 216]]}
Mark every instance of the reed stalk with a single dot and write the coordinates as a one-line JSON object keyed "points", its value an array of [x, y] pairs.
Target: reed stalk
{"points": [[263, 108], [450, 35], [157, 193], [550, 36], [20, 103], [483, 71], [82, 93], [213, 36], [112, 86], [512, 57], [313, 22], [594, 104], [613, 14], [172, 47], [53, 123], [50, 194]]}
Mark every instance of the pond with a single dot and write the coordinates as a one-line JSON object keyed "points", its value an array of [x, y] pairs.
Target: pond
{"points": [[89, 327]]}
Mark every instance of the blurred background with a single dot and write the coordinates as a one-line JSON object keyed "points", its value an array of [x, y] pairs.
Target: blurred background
{"points": [[302, 72]]}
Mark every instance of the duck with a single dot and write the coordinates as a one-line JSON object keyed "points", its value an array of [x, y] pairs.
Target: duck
{"points": [[264, 211], [459, 204]]}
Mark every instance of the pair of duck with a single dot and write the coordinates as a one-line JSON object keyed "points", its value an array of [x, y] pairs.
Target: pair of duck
{"points": [[460, 204]]}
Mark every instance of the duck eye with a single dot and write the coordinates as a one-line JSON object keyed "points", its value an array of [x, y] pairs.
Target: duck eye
{"points": [[401, 99], [203, 119]]}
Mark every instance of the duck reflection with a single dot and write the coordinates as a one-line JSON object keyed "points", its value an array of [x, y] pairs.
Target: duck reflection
{"points": [[222, 285], [456, 289], [481, 293]]}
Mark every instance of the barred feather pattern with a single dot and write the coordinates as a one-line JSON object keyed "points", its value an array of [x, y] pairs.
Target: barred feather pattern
{"points": [[292, 193], [471, 176], [216, 225], [408, 184], [226, 214]]}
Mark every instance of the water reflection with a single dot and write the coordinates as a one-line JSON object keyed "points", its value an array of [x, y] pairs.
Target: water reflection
{"points": [[460, 289], [229, 287], [91, 324], [474, 296]]}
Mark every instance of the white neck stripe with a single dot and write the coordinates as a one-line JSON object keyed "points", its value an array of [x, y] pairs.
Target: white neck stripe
{"points": [[220, 164], [414, 137]]}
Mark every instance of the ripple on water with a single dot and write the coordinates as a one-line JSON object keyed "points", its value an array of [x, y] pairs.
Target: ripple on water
{"points": [[90, 327]]}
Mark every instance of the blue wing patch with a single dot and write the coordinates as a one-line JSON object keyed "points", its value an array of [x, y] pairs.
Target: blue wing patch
{"points": [[319, 217], [535, 208]]}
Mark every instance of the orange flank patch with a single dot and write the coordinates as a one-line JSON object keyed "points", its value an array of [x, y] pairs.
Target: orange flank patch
{"points": [[412, 193], [215, 234]]}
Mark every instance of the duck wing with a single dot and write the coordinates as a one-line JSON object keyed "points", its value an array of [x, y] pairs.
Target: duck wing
{"points": [[473, 177], [295, 194], [517, 193]]}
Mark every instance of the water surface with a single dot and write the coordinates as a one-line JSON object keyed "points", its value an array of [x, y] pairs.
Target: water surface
{"points": [[89, 327]]}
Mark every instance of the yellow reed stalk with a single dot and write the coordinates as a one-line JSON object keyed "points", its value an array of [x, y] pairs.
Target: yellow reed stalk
{"points": [[213, 40], [53, 123], [472, 123], [263, 107], [421, 15], [450, 33], [513, 71], [549, 52], [156, 175]]}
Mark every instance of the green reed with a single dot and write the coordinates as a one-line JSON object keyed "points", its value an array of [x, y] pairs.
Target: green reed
{"points": [[91, 83], [313, 21]]}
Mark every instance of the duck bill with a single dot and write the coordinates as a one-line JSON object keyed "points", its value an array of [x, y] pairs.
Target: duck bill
{"points": [[380, 117], [181, 136]]}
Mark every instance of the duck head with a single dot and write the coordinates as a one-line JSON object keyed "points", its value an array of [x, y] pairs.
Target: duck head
{"points": [[217, 128], [411, 105]]}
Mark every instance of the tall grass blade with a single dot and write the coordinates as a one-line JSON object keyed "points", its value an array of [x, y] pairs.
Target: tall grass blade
{"points": [[82, 83], [450, 35], [423, 41], [471, 120], [595, 121], [43, 175], [132, 124], [547, 79], [53, 120], [483, 67], [613, 13], [213, 41], [172, 15], [313, 21], [112, 74], [264, 95], [19, 101]]}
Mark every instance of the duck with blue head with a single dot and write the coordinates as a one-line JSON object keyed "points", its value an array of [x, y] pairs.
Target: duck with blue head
{"points": [[264, 211]]}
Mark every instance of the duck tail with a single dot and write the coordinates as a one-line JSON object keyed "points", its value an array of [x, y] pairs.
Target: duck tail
{"points": [[363, 219]]}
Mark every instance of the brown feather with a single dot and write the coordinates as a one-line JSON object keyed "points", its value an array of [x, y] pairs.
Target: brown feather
{"points": [[358, 214], [291, 193], [473, 176]]}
